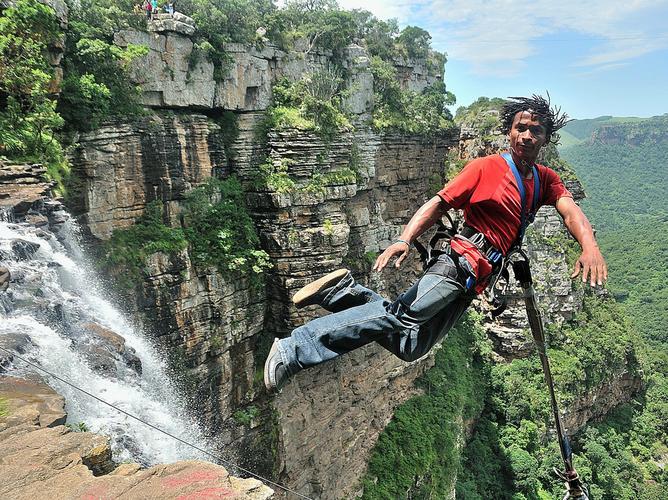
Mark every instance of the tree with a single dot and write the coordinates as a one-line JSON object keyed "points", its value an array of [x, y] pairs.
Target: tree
{"points": [[416, 41], [27, 106]]}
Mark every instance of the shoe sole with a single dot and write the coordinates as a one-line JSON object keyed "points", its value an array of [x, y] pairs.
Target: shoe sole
{"points": [[302, 296], [267, 380]]}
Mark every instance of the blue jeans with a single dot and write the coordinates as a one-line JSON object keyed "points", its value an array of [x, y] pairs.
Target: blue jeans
{"points": [[408, 327]]}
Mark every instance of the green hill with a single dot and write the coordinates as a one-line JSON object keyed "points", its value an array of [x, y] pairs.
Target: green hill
{"points": [[577, 131], [624, 166]]}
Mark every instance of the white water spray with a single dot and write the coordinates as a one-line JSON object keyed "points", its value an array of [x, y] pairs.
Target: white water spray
{"points": [[52, 297]]}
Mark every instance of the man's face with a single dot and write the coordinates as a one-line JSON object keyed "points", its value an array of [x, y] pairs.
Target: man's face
{"points": [[527, 136]]}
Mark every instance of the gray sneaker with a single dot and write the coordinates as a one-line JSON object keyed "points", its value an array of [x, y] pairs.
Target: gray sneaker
{"points": [[311, 293], [275, 371]]}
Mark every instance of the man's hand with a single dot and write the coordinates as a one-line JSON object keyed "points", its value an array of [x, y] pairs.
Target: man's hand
{"points": [[592, 264], [399, 248]]}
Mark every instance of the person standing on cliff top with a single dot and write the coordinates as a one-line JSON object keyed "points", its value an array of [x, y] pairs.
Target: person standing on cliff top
{"points": [[147, 8], [497, 207]]}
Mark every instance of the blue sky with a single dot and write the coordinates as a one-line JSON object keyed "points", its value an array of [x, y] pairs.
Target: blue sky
{"points": [[595, 57]]}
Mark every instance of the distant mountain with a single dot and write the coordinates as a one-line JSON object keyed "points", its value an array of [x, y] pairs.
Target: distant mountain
{"points": [[623, 165], [577, 131]]}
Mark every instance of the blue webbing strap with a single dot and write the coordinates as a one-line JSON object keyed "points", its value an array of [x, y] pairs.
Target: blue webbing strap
{"points": [[525, 219]]}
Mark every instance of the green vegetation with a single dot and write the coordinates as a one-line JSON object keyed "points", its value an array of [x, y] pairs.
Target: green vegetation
{"points": [[220, 231], [312, 103], [97, 86], [580, 130], [274, 176], [406, 111], [511, 452], [217, 228], [624, 173], [28, 117], [417, 455], [4, 411], [482, 115], [246, 416], [125, 253], [78, 427]]}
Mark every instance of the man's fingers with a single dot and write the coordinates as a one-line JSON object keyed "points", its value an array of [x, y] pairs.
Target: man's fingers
{"points": [[585, 272], [576, 270], [381, 262], [401, 258]]}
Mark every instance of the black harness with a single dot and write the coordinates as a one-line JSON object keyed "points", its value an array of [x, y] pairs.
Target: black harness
{"points": [[440, 241]]}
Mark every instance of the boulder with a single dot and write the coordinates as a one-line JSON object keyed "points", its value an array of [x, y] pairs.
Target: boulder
{"points": [[30, 402], [5, 277], [17, 342], [106, 347], [24, 250]]}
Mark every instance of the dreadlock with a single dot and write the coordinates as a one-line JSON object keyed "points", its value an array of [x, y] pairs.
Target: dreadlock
{"points": [[552, 118]]}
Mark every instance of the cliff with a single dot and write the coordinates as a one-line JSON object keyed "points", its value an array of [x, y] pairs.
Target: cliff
{"points": [[220, 324]]}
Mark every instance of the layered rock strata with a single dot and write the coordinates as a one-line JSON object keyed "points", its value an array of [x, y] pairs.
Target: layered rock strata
{"points": [[21, 187]]}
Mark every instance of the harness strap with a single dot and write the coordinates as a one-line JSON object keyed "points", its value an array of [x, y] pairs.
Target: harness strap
{"points": [[525, 218]]}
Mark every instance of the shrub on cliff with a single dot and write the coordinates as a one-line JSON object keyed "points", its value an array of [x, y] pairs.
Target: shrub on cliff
{"points": [[97, 84], [124, 255], [28, 117], [418, 453], [217, 229], [423, 113], [220, 230], [312, 103]]}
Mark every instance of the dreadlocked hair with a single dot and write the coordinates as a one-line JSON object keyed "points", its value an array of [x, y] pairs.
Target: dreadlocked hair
{"points": [[551, 117]]}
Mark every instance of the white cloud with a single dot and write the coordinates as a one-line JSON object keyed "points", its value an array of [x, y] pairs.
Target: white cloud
{"points": [[497, 36], [382, 9]]}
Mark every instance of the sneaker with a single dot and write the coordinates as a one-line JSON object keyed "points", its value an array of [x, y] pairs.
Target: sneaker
{"points": [[275, 371], [309, 294]]}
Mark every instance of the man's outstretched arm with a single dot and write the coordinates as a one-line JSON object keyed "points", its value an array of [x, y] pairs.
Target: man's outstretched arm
{"points": [[591, 262], [424, 218]]}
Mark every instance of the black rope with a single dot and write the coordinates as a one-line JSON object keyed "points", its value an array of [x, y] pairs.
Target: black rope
{"points": [[227, 463]]}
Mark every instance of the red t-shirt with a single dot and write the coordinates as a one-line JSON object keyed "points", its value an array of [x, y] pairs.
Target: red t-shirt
{"points": [[487, 192]]}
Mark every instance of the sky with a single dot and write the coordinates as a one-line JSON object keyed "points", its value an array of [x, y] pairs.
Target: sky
{"points": [[594, 57]]}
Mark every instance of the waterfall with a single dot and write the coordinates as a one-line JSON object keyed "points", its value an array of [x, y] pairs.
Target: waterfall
{"points": [[56, 314]]}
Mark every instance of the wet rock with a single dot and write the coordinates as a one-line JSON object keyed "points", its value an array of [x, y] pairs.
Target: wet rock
{"points": [[101, 360], [5, 277], [16, 342], [109, 345], [24, 250], [22, 187], [37, 220]]}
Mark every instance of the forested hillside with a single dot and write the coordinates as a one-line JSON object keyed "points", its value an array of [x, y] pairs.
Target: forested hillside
{"points": [[623, 169]]}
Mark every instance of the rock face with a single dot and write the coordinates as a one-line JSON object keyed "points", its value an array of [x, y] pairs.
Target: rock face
{"points": [[219, 323], [595, 404], [122, 167], [21, 186], [330, 418], [40, 454]]}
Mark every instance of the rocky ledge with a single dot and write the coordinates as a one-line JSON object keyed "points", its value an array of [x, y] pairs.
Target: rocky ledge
{"points": [[21, 186], [40, 454]]}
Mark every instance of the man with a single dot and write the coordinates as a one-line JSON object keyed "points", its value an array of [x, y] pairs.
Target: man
{"points": [[495, 216]]}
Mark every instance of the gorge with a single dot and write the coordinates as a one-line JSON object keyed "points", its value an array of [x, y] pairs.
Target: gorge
{"points": [[205, 211]]}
